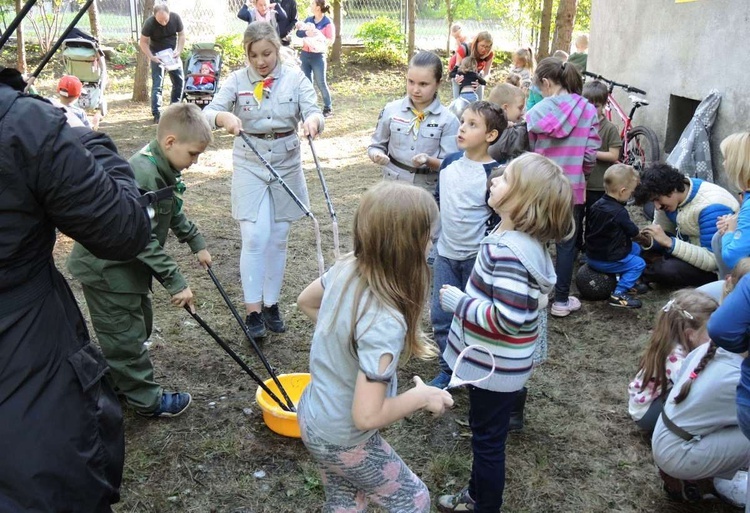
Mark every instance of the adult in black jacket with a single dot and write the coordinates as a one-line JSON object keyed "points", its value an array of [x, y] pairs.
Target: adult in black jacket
{"points": [[285, 29], [61, 433]]}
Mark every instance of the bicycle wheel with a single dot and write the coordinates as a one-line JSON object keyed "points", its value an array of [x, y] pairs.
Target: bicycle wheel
{"points": [[642, 148]]}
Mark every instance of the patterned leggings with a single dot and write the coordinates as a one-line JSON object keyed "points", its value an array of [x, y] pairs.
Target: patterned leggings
{"points": [[370, 471]]}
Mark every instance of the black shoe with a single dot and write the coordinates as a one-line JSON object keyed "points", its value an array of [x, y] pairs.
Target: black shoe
{"points": [[639, 288], [624, 301], [273, 319], [256, 325], [516, 415], [157, 117], [327, 112]]}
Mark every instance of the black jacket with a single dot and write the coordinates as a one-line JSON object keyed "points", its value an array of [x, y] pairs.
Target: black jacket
{"points": [[61, 434], [609, 230]]}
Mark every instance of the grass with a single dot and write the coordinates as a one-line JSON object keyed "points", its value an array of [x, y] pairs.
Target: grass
{"points": [[579, 451]]}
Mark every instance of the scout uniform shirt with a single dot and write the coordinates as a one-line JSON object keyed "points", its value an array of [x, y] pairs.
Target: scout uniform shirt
{"points": [[152, 172], [400, 135]]}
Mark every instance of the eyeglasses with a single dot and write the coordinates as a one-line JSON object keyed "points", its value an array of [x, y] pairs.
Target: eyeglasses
{"points": [[671, 305]]}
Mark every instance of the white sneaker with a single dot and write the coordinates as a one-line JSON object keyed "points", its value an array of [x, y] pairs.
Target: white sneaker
{"points": [[733, 491]]}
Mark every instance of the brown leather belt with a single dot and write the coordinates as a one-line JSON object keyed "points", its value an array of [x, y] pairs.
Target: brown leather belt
{"points": [[416, 170], [273, 135]]}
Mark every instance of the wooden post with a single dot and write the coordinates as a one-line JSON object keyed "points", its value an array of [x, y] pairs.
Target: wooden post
{"points": [[542, 50], [143, 66], [94, 23], [20, 43]]}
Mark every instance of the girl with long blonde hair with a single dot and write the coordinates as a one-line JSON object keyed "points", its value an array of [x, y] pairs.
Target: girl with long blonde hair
{"points": [[368, 308]]}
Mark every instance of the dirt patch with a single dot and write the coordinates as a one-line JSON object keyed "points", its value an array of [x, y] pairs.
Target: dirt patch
{"points": [[579, 451]]}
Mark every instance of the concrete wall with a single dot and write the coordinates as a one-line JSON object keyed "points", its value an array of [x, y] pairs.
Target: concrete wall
{"points": [[686, 49]]}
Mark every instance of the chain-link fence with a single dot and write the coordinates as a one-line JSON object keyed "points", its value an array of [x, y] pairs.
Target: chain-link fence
{"points": [[205, 19]]}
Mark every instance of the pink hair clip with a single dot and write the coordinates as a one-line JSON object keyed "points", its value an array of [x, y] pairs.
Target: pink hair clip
{"points": [[693, 375]]}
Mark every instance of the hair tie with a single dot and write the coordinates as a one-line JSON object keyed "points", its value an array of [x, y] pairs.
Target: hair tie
{"points": [[563, 66], [693, 375]]}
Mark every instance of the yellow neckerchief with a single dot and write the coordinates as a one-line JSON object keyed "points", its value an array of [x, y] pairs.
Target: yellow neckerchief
{"points": [[419, 116], [263, 85]]}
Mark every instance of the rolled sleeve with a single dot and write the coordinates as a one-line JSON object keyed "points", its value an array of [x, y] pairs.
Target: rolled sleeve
{"points": [[381, 338]]}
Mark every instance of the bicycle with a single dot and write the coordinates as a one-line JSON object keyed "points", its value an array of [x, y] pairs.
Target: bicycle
{"points": [[640, 144]]}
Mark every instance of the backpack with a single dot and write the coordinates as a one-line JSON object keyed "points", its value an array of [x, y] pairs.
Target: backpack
{"points": [[513, 142]]}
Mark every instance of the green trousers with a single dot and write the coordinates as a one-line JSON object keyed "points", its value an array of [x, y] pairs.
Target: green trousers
{"points": [[122, 323]]}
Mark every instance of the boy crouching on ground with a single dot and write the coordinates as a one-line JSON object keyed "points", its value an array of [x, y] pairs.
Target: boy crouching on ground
{"points": [[117, 293], [610, 235]]}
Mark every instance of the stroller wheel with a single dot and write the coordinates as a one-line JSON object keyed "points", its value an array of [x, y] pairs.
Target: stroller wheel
{"points": [[103, 107]]}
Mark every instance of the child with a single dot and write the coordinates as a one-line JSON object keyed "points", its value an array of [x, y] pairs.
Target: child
{"points": [[367, 309], [523, 65], [560, 54], [317, 33], [697, 436], [732, 239], [204, 80], [468, 69], [267, 99], [69, 90], [513, 79], [415, 134], [563, 127], [679, 328], [500, 311], [609, 151], [612, 238], [580, 57], [463, 49], [117, 293], [515, 140], [464, 213]]}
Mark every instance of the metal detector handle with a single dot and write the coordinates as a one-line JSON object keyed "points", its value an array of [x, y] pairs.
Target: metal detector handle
{"points": [[246, 331], [628, 88], [326, 194], [230, 352], [62, 37]]}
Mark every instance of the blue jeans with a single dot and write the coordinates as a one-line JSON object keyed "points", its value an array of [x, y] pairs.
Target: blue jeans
{"points": [[446, 272], [566, 254], [629, 268], [489, 416], [157, 80], [314, 66], [469, 95], [743, 416]]}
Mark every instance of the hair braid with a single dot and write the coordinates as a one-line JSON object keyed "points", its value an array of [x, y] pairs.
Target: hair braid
{"points": [[685, 390]]}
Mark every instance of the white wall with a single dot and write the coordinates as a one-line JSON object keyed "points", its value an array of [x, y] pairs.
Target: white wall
{"points": [[683, 49]]}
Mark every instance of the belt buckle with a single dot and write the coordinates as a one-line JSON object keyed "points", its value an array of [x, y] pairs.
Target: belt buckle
{"points": [[269, 137]]}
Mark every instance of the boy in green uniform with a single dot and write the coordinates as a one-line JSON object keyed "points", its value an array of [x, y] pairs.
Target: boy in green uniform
{"points": [[117, 293]]}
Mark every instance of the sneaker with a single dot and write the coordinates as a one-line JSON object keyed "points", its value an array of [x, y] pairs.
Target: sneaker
{"points": [[327, 112], [441, 380], [564, 309], [623, 301], [272, 317], [256, 325], [458, 502], [733, 491], [172, 404], [639, 288]]}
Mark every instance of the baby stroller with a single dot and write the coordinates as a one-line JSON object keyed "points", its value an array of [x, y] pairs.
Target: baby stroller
{"points": [[83, 59], [202, 72]]}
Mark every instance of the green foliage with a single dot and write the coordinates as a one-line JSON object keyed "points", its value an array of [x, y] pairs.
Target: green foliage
{"points": [[234, 53], [583, 16], [383, 40]]}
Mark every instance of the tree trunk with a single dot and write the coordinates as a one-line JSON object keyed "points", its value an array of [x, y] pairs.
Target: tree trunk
{"points": [[336, 51], [143, 67], [411, 14], [20, 43], [94, 23], [542, 50], [566, 14]]}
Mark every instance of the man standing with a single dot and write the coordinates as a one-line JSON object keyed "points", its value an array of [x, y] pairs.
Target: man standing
{"points": [[163, 32], [285, 28]]}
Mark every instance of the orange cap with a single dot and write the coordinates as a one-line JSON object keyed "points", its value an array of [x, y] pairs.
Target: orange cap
{"points": [[69, 86]]}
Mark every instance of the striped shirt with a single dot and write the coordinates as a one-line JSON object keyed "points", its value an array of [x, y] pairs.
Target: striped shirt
{"points": [[500, 310]]}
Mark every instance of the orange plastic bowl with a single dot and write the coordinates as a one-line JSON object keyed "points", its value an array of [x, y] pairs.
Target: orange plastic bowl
{"points": [[278, 420]]}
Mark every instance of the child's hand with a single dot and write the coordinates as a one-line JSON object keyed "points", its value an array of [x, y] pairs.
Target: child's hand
{"points": [[379, 157], [436, 400], [442, 293], [182, 298], [643, 239], [231, 123], [726, 223], [204, 258]]}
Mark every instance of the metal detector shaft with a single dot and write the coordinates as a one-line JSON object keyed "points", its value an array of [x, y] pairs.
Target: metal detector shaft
{"points": [[62, 37], [334, 221], [307, 211], [245, 330], [231, 353], [16, 22]]}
